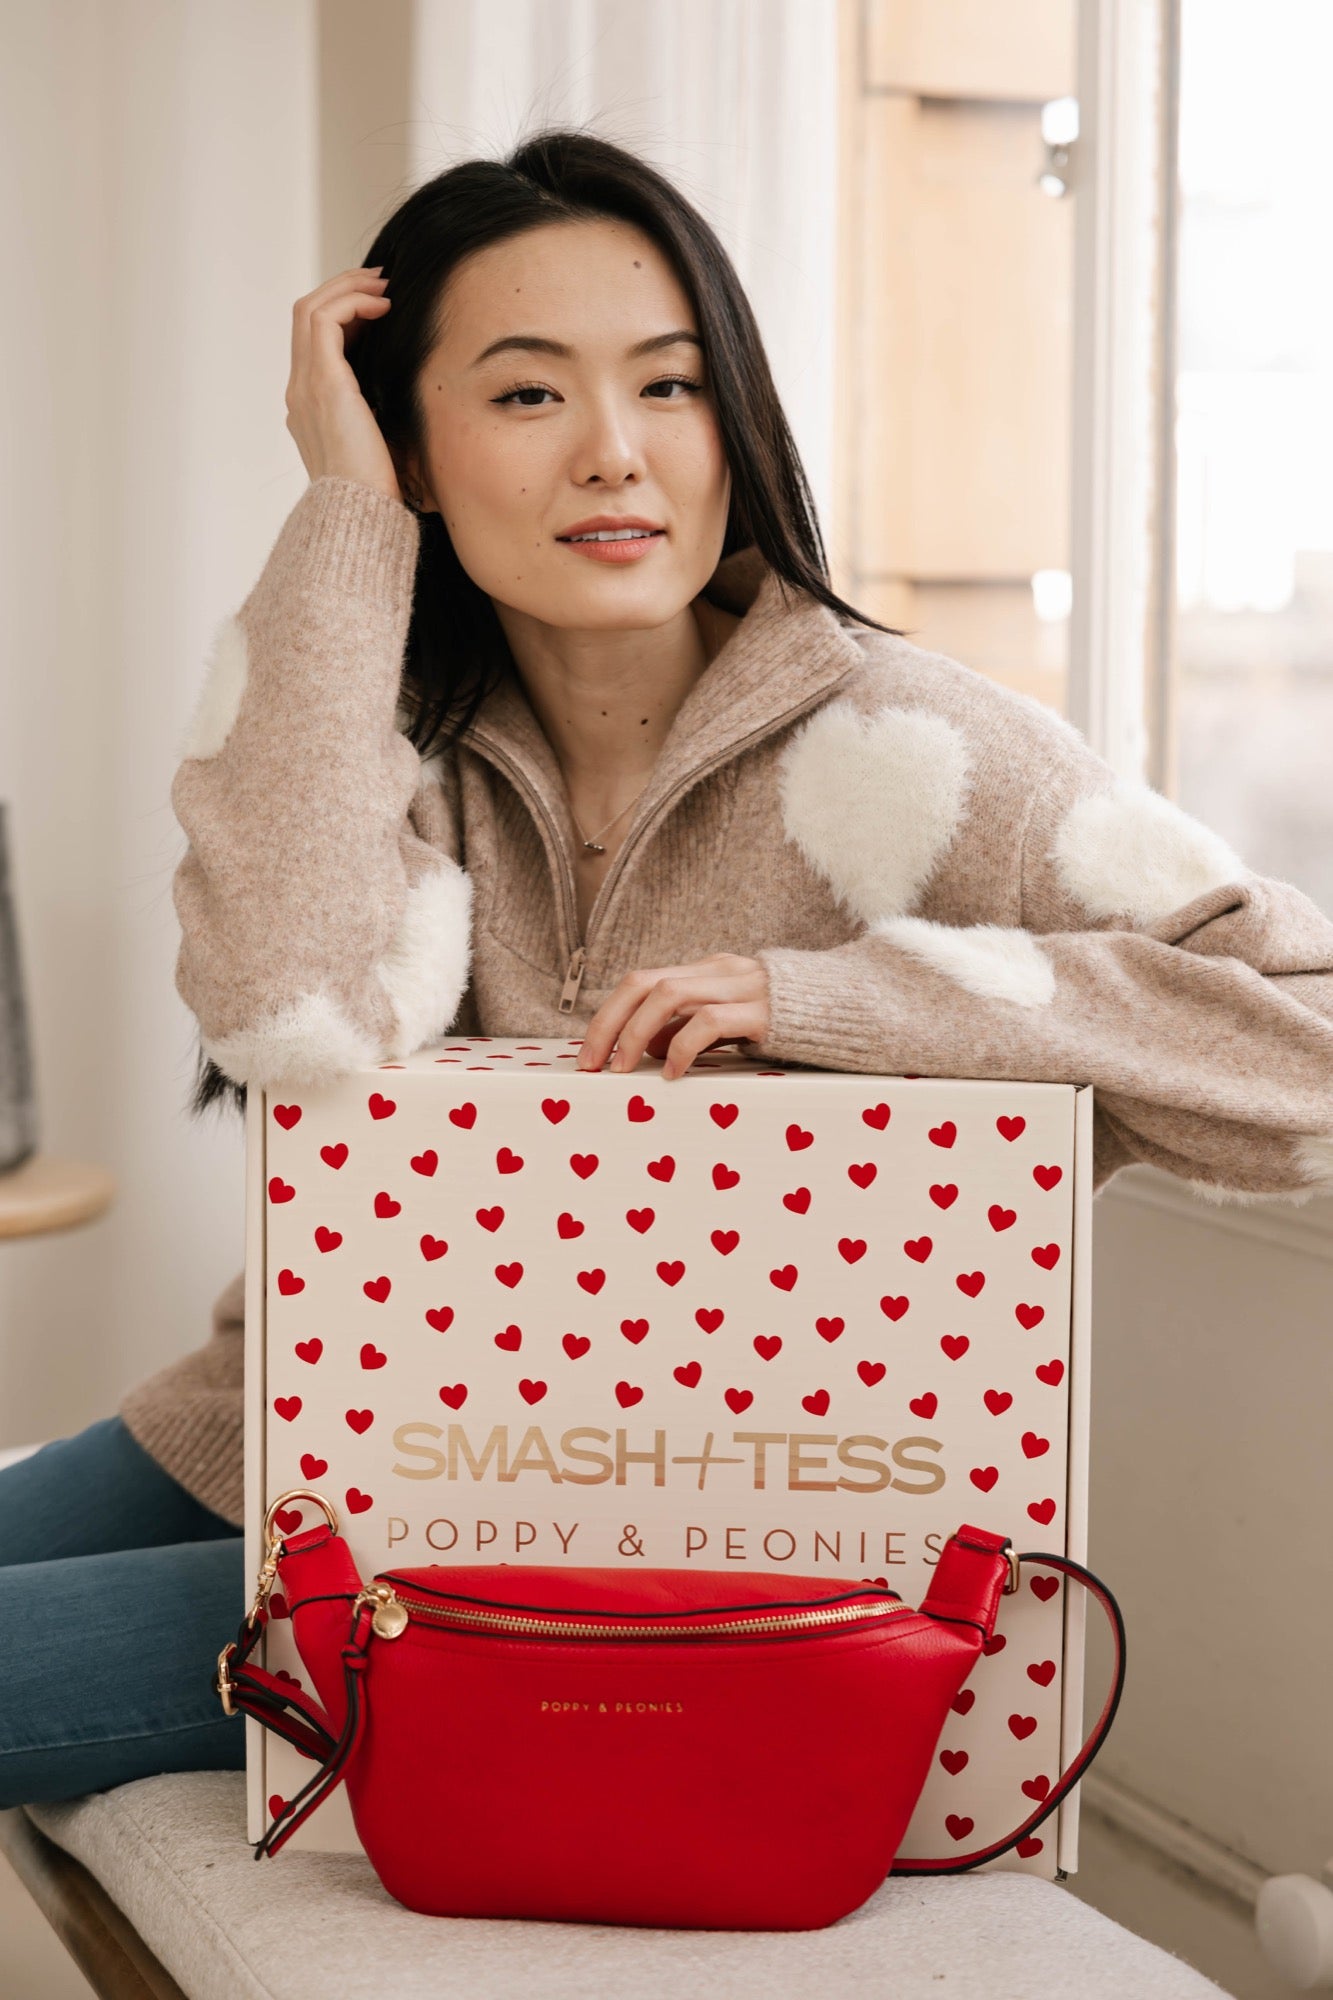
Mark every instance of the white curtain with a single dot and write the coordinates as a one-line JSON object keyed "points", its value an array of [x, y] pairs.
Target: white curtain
{"points": [[736, 100], [174, 175]]}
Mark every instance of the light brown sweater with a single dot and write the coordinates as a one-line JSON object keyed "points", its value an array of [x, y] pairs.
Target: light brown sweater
{"points": [[938, 873]]}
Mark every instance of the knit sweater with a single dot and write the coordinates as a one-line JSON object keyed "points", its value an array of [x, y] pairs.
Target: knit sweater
{"points": [[938, 874]]}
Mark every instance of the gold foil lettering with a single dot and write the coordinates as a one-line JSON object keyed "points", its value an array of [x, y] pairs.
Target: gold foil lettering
{"points": [[402, 1442], [917, 1465], [548, 1706], [497, 1445], [797, 1463], [760, 1440], [597, 1457], [656, 1457], [882, 1477], [534, 1455]]}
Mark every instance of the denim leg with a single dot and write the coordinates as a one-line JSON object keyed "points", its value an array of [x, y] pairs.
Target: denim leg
{"points": [[106, 1663], [93, 1492], [119, 1589]]}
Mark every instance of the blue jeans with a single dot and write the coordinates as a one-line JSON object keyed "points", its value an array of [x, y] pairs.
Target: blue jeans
{"points": [[118, 1589]]}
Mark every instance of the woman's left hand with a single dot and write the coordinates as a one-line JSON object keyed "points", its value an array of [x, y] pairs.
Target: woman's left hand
{"points": [[676, 1011]]}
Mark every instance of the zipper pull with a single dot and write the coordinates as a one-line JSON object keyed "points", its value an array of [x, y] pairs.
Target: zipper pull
{"points": [[390, 1617], [569, 992]]}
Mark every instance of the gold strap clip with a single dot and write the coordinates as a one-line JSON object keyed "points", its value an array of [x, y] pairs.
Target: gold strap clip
{"points": [[222, 1680]]}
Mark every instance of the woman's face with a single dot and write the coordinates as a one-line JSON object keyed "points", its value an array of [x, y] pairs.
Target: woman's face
{"points": [[522, 443]]}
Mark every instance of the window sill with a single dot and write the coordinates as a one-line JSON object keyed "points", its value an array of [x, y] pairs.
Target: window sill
{"points": [[1307, 1228]]}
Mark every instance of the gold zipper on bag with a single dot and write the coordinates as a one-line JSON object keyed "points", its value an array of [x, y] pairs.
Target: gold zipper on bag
{"points": [[393, 1613]]}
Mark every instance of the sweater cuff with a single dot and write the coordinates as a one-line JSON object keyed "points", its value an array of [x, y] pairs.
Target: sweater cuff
{"points": [[825, 1009], [343, 535]]}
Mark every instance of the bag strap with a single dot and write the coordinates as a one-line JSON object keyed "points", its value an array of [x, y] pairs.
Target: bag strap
{"points": [[958, 1864], [262, 1695]]}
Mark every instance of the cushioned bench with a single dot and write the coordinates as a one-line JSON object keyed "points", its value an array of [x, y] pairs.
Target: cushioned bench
{"points": [[215, 1924]]}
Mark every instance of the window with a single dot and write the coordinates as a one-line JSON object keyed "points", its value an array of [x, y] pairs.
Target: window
{"points": [[1253, 655]]}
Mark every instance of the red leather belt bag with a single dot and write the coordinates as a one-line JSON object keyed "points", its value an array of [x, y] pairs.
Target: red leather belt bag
{"points": [[689, 1748]]}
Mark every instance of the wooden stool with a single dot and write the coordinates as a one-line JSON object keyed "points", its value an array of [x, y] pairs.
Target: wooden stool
{"points": [[101, 1940], [172, 1858], [43, 1193]]}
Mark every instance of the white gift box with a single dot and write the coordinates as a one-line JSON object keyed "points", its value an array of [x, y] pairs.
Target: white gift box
{"points": [[498, 1309]]}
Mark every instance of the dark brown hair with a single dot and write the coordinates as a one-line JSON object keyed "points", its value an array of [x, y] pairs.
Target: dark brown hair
{"points": [[456, 651]]}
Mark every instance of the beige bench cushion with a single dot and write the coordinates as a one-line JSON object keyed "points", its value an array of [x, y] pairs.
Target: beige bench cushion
{"points": [[172, 1854]]}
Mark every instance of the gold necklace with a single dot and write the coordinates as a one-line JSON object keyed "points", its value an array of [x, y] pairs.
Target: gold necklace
{"points": [[592, 845]]}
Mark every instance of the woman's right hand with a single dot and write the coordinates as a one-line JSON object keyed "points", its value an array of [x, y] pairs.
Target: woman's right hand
{"points": [[333, 425]]}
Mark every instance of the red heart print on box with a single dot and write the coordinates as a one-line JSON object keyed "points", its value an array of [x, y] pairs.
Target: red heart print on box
{"points": [[742, 1280]]}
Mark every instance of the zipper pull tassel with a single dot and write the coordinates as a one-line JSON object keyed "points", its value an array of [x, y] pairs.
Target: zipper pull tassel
{"points": [[390, 1617], [569, 992]]}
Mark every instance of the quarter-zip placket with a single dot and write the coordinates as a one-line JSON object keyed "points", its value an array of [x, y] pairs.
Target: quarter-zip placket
{"points": [[576, 948]]}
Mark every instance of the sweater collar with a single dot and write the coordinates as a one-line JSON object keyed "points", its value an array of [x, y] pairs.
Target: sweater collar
{"points": [[785, 654]]}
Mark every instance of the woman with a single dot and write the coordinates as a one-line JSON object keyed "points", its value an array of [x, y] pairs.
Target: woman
{"points": [[456, 767]]}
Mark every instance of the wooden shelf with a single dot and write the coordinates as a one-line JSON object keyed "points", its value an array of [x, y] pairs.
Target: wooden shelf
{"points": [[98, 1936], [48, 1193]]}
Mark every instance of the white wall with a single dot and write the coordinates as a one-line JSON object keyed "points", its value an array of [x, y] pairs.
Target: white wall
{"points": [[143, 357]]}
